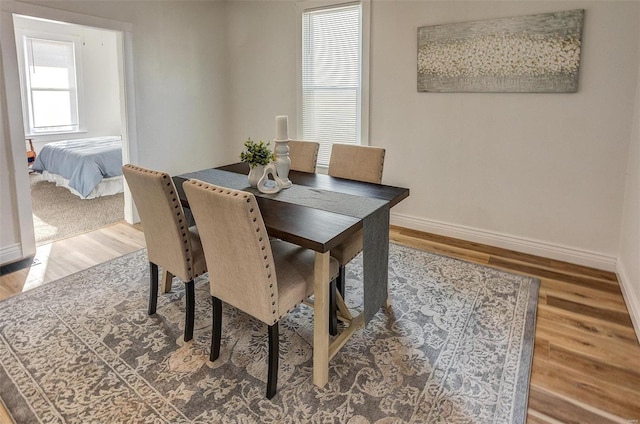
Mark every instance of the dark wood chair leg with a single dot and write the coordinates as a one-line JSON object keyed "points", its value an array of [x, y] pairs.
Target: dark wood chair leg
{"points": [[153, 288], [333, 309], [216, 328], [190, 310], [274, 351]]}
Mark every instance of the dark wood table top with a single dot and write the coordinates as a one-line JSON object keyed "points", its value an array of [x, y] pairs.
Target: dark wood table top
{"points": [[325, 182], [308, 227]]}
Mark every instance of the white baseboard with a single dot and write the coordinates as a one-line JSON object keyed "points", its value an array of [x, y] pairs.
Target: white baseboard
{"points": [[505, 241], [12, 253], [630, 298]]}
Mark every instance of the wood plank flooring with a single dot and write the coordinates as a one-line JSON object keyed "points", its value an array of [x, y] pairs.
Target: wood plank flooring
{"points": [[586, 363], [65, 257]]}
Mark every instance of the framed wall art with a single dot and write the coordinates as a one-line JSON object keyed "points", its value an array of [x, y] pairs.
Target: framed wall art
{"points": [[525, 54]]}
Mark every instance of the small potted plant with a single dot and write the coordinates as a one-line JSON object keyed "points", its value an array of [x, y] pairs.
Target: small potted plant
{"points": [[257, 155]]}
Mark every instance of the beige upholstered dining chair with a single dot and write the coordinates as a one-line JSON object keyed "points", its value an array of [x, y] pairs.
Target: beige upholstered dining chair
{"points": [[303, 155], [264, 278], [171, 244], [361, 163]]}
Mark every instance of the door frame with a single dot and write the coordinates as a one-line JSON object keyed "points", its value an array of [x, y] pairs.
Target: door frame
{"points": [[14, 124]]}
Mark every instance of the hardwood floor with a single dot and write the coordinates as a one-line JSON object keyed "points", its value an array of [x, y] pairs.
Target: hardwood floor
{"points": [[586, 363], [65, 257]]}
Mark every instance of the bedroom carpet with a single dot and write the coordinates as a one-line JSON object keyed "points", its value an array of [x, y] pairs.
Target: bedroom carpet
{"points": [[58, 214], [454, 347]]}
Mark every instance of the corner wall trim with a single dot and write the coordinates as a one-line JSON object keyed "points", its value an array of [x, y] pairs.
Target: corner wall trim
{"points": [[505, 241], [633, 303]]}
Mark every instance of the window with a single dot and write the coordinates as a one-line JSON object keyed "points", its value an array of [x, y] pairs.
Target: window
{"points": [[50, 88], [332, 78]]}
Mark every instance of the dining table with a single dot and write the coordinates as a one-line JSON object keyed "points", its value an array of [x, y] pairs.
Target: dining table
{"points": [[319, 212]]}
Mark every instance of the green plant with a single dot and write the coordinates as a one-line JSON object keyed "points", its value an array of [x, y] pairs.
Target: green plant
{"points": [[256, 153]]}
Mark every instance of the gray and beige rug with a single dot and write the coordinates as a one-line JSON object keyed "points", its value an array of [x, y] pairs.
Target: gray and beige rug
{"points": [[455, 347]]}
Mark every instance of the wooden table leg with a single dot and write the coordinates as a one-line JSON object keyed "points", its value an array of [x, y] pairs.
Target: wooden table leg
{"points": [[321, 320], [387, 302], [167, 279]]}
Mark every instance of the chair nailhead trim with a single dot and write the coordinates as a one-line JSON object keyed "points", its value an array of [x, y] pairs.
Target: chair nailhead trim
{"points": [[171, 193], [251, 208]]}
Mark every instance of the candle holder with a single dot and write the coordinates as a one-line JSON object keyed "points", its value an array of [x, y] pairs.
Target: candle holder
{"points": [[283, 162], [281, 151]]}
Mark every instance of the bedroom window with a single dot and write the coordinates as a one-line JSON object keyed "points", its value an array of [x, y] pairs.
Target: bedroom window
{"points": [[334, 77], [50, 88]]}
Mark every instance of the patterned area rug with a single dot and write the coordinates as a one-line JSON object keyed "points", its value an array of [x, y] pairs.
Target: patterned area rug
{"points": [[455, 347]]}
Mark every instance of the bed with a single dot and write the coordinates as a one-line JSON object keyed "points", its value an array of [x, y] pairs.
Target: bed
{"points": [[87, 167]]}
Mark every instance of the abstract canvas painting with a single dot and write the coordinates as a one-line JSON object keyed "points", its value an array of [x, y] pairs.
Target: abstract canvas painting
{"points": [[526, 54]]}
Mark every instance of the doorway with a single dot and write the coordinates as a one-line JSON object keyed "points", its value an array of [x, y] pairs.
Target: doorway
{"points": [[80, 63], [14, 133]]}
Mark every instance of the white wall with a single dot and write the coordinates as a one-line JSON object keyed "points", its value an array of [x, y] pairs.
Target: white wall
{"points": [[538, 173], [179, 53], [101, 83], [535, 172], [629, 257], [9, 231], [13, 172], [262, 68]]}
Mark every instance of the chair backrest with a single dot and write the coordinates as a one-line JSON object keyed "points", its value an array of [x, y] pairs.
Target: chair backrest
{"points": [[361, 163], [304, 155], [163, 222], [236, 247]]}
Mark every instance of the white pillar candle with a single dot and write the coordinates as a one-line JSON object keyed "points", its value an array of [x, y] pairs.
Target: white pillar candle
{"points": [[282, 131]]}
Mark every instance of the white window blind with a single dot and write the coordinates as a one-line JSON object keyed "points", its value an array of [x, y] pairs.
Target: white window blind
{"points": [[51, 85], [331, 76]]}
